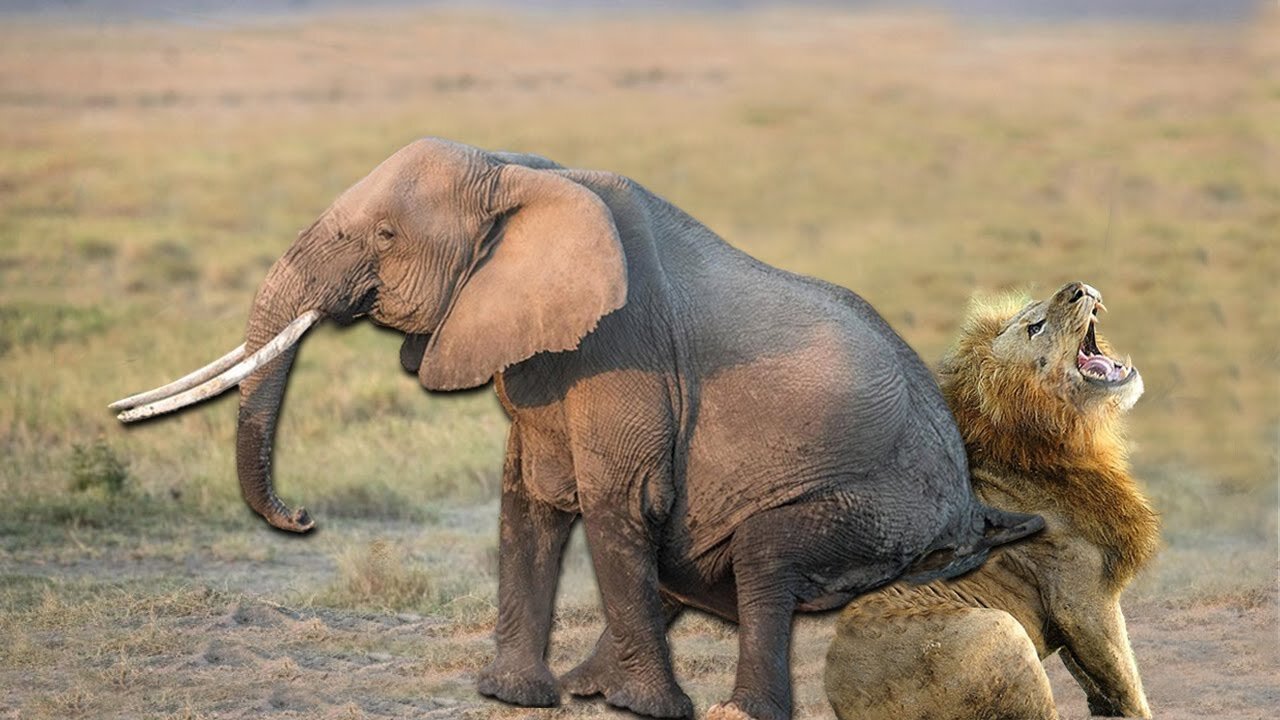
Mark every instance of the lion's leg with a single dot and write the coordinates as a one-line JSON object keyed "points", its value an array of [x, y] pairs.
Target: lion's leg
{"points": [[1100, 658], [949, 663]]}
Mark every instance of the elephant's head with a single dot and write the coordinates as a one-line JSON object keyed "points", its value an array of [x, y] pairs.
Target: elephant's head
{"points": [[481, 261]]}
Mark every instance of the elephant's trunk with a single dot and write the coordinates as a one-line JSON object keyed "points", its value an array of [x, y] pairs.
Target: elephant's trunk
{"points": [[322, 275], [279, 301]]}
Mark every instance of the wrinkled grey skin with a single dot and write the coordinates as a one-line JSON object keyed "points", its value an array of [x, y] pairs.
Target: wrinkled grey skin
{"points": [[750, 441]]}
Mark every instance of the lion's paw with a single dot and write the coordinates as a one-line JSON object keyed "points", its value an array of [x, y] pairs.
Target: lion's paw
{"points": [[726, 711]]}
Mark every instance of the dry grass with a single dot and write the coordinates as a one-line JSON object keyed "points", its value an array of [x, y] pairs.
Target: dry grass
{"points": [[380, 575], [150, 173]]}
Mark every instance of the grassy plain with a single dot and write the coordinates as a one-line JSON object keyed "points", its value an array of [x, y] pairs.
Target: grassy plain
{"points": [[150, 173]]}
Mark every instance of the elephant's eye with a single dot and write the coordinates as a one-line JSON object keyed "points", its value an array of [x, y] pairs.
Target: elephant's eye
{"points": [[1035, 329], [383, 237]]}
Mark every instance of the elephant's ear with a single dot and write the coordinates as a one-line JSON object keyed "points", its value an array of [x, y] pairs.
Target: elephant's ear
{"points": [[553, 268]]}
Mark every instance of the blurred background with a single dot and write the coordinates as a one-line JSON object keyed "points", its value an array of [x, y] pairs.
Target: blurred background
{"points": [[156, 157]]}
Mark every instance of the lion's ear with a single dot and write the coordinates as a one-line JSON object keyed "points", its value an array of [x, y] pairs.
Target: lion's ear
{"points": [[972, 347], [988, 313]]}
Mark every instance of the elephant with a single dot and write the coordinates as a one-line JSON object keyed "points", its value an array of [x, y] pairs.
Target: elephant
{"points": [[735, 438]]}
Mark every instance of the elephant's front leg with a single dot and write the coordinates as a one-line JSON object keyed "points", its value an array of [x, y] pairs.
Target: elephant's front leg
{"points": [[532, 538], [623, 553], [599, 673]]}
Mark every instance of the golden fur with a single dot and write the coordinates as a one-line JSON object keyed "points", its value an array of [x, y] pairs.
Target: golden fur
{"points": [[1041, 437], [1018, 429]]}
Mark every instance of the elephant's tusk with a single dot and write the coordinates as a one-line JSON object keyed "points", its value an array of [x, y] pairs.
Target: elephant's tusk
{"points": [[185, 382], [231, 377]]}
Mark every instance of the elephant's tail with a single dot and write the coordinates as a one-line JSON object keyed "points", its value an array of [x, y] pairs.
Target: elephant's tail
{"points": [[999, 527]]}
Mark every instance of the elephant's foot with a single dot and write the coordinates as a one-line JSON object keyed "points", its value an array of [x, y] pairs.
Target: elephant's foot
{"points": [[593, 676], [640, 696], [726, 711], [525, 684]]}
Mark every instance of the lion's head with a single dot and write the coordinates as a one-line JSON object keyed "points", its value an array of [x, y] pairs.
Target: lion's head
{"points": [[1032, 384]]}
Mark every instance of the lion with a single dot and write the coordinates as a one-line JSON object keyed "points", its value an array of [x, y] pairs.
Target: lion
{"points": [[1039, 398]]}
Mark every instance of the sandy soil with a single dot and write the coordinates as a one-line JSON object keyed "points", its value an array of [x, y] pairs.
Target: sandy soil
{"points": [[241, 638]]}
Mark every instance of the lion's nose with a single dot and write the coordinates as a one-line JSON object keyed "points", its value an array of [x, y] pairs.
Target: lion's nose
{"points": [[1082, 289], [1078, 290]]}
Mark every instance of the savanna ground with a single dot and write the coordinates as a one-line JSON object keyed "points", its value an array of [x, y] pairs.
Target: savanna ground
{"points": [[150, 173]]}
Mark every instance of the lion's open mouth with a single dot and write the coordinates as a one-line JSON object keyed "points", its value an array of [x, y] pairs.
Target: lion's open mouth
{"points": [[1095, 365]]}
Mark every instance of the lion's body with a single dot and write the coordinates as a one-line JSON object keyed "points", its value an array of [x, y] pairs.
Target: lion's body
{"points": [[971, 647]]}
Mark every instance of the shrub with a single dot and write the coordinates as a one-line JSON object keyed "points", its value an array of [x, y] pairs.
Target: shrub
{"points": [[45, 325], [98, 466], [381, 576]]}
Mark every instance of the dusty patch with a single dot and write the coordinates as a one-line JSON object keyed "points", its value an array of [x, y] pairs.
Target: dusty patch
{"points": [[186, 638]]}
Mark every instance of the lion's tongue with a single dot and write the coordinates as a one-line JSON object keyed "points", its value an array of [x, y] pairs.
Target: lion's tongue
{"points": [[1102, 366]]}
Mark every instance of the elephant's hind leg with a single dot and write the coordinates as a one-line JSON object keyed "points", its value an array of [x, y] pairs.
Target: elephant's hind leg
{"points": [[532, 538], [944, 663], [784, 558]]}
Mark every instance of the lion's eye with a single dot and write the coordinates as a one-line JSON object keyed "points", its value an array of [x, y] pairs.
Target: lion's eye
{"points": [[1035, 329]]}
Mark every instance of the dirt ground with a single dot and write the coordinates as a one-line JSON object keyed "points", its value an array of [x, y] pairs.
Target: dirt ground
{"points": [[194, 633]]}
